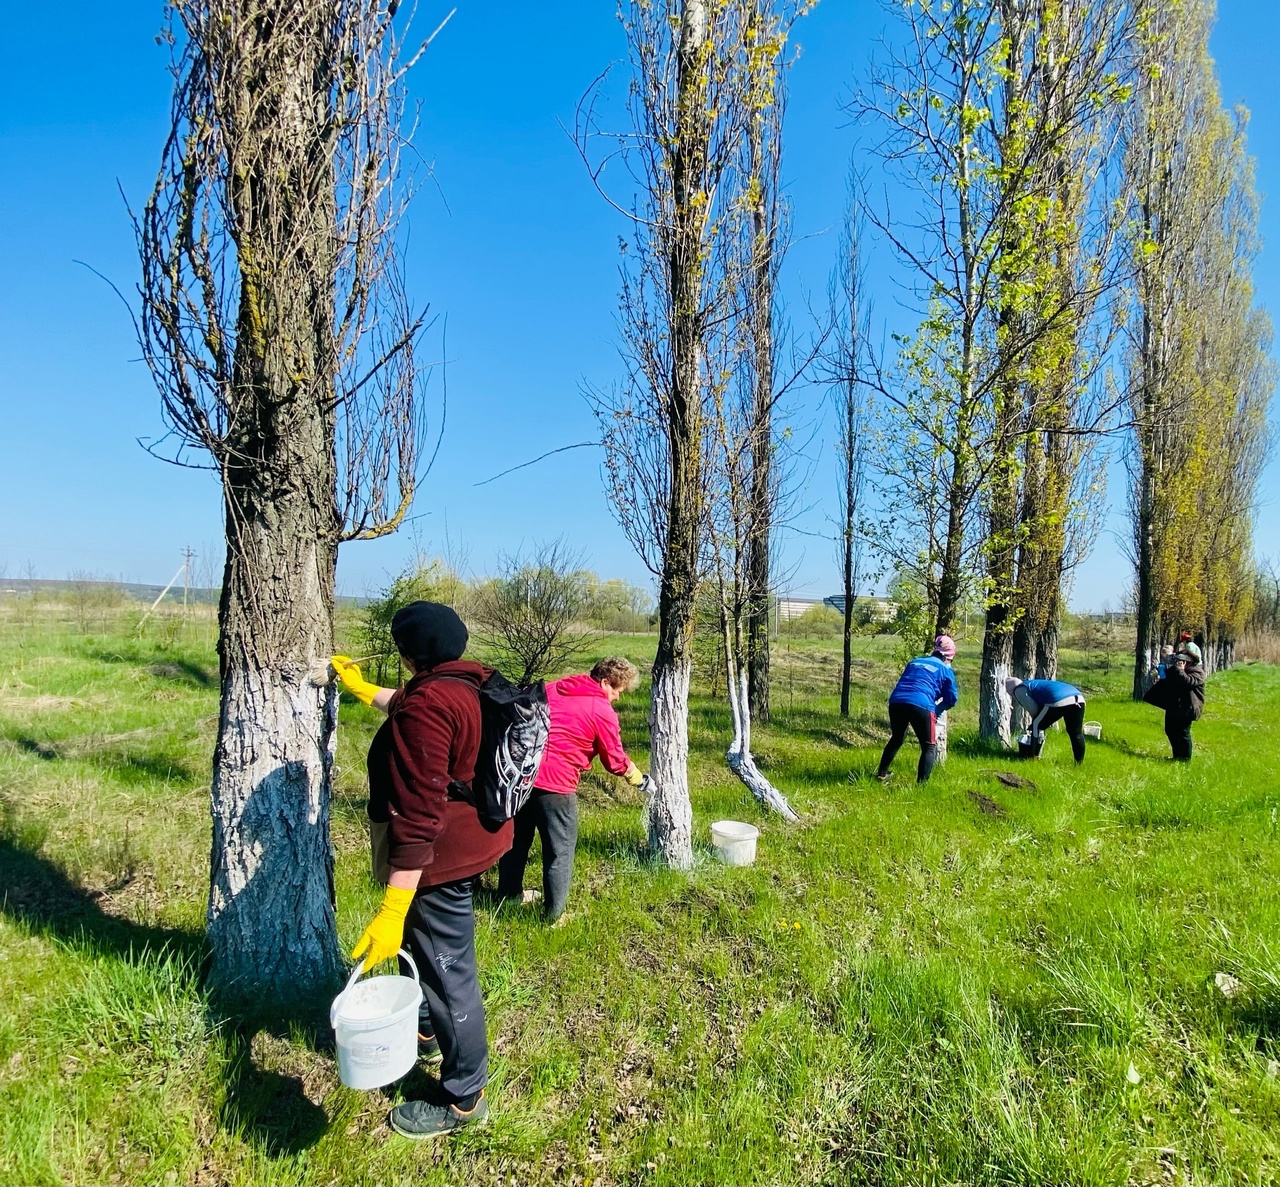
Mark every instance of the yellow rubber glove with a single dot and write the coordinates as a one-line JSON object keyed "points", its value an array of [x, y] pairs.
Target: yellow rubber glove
{"points": [[352, 679], [634, 776], [384, 937]]}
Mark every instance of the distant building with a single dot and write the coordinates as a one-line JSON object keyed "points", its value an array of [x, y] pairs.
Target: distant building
{"points": [[788, 608], [876, 609]]}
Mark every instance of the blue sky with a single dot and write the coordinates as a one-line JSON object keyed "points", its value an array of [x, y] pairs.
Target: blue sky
{"points": [[510, 242]]}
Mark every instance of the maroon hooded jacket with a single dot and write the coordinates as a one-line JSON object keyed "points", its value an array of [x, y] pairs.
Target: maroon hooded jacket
{"points": [[431, 738]]}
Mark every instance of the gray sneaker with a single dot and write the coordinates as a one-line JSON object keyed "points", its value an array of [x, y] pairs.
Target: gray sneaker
{"points": [[418, 1119]]}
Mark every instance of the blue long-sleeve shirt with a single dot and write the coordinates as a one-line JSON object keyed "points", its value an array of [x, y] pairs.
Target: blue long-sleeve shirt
{"points": [[1050, 692], [928, 683]]}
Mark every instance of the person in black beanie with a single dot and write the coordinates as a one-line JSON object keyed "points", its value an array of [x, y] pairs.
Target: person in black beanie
{"points": [[433, 847]]}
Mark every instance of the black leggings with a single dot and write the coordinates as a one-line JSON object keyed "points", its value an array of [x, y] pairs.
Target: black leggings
{"points": [[1071, 716], [925, 726]]}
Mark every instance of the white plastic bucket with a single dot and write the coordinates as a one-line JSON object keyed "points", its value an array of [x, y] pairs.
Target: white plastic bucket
{"points": [[376, 1024], [1093, 729], [734, 842]]}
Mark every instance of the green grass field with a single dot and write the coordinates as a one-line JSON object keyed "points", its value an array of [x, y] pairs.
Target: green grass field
{"points": [[966, 982]]}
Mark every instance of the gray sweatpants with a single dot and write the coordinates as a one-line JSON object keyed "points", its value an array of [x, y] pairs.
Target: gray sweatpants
{"points": [[554, 817]]}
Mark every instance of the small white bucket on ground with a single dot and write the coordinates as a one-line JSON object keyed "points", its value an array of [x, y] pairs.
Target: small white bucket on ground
{"points": [[376, 1024], [734, 842], [1093, 729]]}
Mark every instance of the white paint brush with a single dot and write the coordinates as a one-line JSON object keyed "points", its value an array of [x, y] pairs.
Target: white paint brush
{"points": [[322, 672]]}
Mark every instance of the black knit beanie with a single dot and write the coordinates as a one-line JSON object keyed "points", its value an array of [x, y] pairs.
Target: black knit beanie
{"points": [[429, 633]]}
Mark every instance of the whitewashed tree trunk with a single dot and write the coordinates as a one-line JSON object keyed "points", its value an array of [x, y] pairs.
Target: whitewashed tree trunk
{"points": [[942, 737], [994, 703], [739, 753], [670, 815], [271, 902]]}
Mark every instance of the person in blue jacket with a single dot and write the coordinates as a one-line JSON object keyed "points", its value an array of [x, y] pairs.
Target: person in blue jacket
{"points": [[926, 688], [1048, 701]]}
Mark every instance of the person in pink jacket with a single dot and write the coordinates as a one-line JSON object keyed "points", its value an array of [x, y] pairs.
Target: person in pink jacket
{"points": [[584, 726]]}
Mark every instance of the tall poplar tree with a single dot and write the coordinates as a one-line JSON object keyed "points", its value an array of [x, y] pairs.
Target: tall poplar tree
{"points": [[275, 324], [1199, 379]]}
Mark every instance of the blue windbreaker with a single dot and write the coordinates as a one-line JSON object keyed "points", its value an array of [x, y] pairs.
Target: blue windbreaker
{"points": [[1049, 692], [928, 683]]}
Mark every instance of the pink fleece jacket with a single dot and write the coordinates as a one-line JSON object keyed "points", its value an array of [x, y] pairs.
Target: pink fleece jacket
{"points": [[583, 725]]}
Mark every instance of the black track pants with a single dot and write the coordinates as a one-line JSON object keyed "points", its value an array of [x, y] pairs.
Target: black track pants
{"points": [[440, 931], [554, 817], [925, 726]]}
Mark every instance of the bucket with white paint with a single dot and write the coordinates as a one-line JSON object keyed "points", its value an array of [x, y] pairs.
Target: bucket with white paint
{"points": [[734, 842], [1093, 729], [376, 1025]]}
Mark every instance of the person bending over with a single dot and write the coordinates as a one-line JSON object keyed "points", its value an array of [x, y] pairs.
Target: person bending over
{"points": [[1180, 693], [584, 725], [926, 688], [435, 845], [1048, 701]]}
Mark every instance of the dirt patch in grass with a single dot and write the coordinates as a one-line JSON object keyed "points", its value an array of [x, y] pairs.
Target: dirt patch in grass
{"points": [[987, 805], [1009, 779]]}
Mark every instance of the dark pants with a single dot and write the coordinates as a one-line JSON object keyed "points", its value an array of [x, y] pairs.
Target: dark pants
{"points": [[925, 726], [440, 932], [555, 819], [1179, 735], [1071, 716]]}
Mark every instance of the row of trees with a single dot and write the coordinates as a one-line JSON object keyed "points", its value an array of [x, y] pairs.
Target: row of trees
{"points": [[1200, 379], [1057, 171], [1079, 230]]}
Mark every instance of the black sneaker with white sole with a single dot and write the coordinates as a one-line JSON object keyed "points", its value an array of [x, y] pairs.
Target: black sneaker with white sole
{"points": [[420, 1119]]}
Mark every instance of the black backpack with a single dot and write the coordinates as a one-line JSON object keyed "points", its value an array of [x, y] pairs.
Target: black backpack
{"points": [[514, 724]]}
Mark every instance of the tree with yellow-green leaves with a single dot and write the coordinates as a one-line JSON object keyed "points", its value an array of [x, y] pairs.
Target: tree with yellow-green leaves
{"points": [[1199, 377], [1064, 89]]}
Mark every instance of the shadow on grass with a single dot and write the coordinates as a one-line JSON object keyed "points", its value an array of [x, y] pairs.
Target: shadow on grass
{"points": [[627, 848], [850, 733], [1120, 746], [972, 746], [132, 766], [270, 1108], [38, 894], [162, 665], [1261, 1012]]}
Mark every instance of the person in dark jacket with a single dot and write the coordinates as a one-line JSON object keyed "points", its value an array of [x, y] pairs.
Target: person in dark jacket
{"points": [[1048, 701], [437, 845], [1180, 693], [584, 725], [926, 688]]}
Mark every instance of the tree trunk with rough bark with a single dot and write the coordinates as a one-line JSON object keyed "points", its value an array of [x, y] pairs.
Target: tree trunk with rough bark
{"points": [[271, 902], [271, 919], [670, 811]]}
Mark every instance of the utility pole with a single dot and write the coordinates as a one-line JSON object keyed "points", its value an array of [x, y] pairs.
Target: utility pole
{"points": [[187, 556]]}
